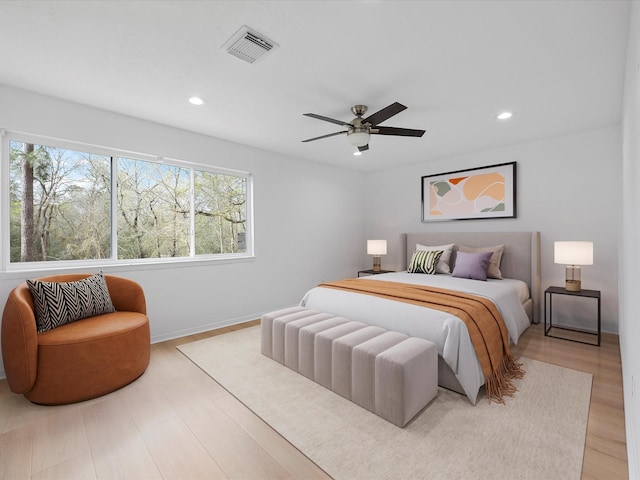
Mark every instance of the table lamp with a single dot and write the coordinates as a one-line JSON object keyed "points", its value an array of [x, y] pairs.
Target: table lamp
{"points": [[376, 248], [573, 254]]}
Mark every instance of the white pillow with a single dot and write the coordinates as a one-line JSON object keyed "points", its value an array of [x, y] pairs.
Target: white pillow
{"points": [[443, 263]]}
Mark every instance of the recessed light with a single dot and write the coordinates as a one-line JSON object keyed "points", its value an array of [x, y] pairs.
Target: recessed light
{"points": [[357, 153], [504, 115], [196, 101]]}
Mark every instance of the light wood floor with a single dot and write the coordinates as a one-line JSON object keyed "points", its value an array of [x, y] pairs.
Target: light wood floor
{"points": [[175, 422], [605, 455]]}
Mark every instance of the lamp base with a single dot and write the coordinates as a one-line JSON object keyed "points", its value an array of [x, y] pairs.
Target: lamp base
{"points": [[572, 278], [573, 285], [376, 263]]}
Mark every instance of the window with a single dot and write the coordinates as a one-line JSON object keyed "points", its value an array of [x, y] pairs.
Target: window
{"points": [[154, 209], [87, 204]]}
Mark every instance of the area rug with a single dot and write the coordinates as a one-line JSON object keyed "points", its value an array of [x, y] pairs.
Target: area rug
{"points": [[539, 433]]}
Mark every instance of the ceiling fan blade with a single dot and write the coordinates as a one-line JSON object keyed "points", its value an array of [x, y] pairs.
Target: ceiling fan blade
{"points": [[384, 114], [327, 119], [403, 132], [323, 136], [364, 148]]}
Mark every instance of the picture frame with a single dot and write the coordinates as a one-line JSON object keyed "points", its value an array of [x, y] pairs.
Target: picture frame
{"points": [[470, 194]]}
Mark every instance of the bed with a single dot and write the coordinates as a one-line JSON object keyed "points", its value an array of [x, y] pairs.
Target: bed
{"points": [[517, 296]]}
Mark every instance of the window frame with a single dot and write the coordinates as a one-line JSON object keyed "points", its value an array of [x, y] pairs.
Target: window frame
{"points": [[7, 266]]}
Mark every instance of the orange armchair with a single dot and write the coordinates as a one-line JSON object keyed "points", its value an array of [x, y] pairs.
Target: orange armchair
{"points": [[80, 360]]}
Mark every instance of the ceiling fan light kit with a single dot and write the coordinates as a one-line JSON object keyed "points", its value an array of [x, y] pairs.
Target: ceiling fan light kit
{"points": [[359, 130], [196, 101], [504, 115], [359, 137]]}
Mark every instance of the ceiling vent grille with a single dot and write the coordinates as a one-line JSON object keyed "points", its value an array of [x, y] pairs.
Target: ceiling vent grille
{"points": [[249, 45]]}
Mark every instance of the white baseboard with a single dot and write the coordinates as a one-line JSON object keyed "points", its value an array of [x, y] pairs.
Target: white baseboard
{"points": [[202, 328], [192, 331], [210, 326]]}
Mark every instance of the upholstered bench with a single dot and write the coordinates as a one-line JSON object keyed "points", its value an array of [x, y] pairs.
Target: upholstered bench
{"points": [[267, 327], [292, 336], [323, 351], [363, 363], [278, 321], [306, 343], [388, 373], [398, 396], [342, 353]]}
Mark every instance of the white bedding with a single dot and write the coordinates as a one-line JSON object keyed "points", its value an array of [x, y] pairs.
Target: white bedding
{"points": [[448, 332]]}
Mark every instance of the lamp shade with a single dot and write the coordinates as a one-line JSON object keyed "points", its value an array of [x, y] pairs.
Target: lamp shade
{"points": [[376, 247], [573, 253]]}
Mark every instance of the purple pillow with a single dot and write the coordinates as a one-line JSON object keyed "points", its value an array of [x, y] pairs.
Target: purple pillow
{"points": [[472, 265]]}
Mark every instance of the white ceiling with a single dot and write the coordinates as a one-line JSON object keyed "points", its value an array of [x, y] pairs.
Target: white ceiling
{"points": [[559, 65]]}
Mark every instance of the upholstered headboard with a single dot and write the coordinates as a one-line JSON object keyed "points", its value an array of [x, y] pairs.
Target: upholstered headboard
{"points": [[520, 260]]}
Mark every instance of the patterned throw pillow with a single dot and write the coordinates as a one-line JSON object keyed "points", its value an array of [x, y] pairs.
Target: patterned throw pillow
{"points": [[445, 258], [58, 303], [424, 261]]}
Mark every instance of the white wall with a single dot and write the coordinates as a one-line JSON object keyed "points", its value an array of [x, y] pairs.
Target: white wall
{"points": [[568, 188], [309, 225], [630, 258]]}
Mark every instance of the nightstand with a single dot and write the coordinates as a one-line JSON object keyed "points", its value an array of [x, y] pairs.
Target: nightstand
{"points": [[365, 273], [550, 292]]}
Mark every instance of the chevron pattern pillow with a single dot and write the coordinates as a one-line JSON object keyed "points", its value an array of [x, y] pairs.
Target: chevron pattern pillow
{"points": [[424, 261], [58, 303]]}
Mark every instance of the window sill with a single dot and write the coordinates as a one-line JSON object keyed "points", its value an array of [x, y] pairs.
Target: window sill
{"points": [[46, 268]]}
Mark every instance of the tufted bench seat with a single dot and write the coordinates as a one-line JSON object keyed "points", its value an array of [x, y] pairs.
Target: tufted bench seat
{"points": [[398, 396], [388, 373]]}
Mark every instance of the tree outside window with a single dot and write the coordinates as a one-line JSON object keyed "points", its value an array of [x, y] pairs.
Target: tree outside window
{"points": [[61, 200]]}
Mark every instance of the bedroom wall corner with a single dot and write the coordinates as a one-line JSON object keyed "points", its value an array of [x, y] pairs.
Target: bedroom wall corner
{"points": [[630, 239]]}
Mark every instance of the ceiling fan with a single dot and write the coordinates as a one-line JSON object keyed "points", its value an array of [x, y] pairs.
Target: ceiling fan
{"points": [[360, 129]]}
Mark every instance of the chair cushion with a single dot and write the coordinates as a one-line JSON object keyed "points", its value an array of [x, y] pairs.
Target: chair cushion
{"points": [[59, 303], [93, 329], [90, 357]]}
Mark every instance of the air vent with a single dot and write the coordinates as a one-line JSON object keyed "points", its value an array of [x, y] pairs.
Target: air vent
{"points": [[249, 45]]}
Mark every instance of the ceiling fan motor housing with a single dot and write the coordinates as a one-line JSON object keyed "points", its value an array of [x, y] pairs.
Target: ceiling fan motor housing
{"points": [[359, 110]]}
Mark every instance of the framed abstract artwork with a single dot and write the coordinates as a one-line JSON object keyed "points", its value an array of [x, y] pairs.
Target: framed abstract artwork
{"points": [[475, 193]]}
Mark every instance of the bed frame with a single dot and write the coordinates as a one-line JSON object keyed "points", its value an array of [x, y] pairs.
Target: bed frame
{"points": [[520, 260]]}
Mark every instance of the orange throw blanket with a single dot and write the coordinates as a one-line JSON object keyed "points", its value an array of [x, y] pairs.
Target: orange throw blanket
{"points": [[486, 327]]}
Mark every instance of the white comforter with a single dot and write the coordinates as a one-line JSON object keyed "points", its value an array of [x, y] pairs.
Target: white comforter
{"points": [[448, 332]]}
